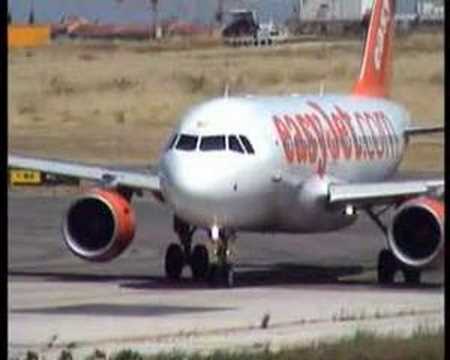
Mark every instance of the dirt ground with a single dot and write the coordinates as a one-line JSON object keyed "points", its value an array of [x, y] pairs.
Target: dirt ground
{"points": [[115, 102]]}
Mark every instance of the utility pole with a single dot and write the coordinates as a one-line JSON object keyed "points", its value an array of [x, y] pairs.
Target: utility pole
{"points": [[219, 12], [31, 16], [300, 9], [154, 6]]}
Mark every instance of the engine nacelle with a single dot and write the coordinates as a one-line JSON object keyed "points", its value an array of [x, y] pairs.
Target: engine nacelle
{"points": [[99, 226], [416, 233]]}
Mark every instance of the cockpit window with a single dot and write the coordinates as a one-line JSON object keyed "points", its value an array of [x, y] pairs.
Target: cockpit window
{"points": [[171, 142], [234, 144], [248, 146], [211, 143], [187, 142]]}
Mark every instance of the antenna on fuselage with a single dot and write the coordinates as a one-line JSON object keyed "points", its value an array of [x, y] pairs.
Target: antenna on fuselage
{"points": [[226, 91], [322, 88]]}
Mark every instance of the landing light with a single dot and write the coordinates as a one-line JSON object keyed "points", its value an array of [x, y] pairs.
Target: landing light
{"points": [[215, 232], [349, 210]]}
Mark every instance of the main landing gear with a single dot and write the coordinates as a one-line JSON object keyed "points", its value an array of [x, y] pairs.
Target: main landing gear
{"points": [[180, 255], [388, 264]]}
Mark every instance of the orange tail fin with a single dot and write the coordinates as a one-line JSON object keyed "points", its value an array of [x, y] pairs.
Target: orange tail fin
{"points": [[376, 67]]}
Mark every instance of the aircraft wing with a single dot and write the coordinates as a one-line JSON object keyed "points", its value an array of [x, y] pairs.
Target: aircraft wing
{"points": [[382, 192], [416, 130], [105, 176]]}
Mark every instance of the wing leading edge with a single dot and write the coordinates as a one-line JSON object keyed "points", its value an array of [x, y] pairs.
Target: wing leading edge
{"points": [[382, 192], [412, 131], [103, 175]]}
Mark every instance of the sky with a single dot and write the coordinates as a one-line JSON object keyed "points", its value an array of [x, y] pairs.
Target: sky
{"points": [[132, 11]]}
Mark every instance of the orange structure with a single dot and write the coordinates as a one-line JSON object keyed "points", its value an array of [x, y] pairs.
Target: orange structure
{"points": [[28, 35]]}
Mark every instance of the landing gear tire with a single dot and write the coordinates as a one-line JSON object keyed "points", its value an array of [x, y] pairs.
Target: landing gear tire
{"points": [[174, 261], [412, 276], [221, 275], [228, 275], [200, 262], [387, 267], [212, 275]]}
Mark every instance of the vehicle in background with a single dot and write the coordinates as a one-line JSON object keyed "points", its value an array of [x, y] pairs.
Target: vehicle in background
{"points": [[244, 29]]}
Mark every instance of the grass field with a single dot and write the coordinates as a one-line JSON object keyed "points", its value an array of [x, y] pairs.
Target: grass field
{"points": [[116, 102], [422, 344]]}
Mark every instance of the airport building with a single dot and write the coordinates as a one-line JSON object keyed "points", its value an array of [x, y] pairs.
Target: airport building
{"points": [[352, 10]]}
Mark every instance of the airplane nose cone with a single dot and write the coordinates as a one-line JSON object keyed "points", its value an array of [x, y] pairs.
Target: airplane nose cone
{"points": [[189, 179], [195, 191]]}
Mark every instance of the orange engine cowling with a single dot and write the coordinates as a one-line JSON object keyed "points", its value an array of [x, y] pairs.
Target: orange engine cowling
{"points": [[416, 233], [99, 226]]}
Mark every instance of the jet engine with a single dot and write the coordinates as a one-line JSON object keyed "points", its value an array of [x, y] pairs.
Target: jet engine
{"points": [[416, 233], [99, 226]]}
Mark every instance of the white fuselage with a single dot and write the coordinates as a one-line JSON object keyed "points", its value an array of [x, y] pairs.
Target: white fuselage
{"points": [[301, 145]]}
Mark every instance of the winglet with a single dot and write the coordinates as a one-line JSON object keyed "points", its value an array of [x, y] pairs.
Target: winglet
{"points": [[376, 67]]}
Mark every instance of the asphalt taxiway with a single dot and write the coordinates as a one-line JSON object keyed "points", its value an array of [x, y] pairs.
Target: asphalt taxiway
{"points": [[306, 287]]}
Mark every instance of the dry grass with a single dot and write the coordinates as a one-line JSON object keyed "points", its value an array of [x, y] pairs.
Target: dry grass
{"points": [[422, 344], [117, 101]]}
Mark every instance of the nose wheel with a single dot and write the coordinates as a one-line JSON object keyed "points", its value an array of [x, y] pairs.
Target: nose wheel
{"points": [[222, 271], [221, 275], [178, 255]]}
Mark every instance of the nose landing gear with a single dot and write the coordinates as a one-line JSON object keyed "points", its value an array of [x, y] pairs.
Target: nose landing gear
{"points": [[180, 255], [222, 271]]}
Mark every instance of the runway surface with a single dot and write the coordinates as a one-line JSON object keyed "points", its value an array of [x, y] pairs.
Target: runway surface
{"points": [[311, 287]]}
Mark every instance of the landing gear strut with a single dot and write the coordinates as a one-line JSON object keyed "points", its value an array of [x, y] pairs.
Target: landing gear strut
{"points": [[388, 265], [222, 271], [180, 255]]}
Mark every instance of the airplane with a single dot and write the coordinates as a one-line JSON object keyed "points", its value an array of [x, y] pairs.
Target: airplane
{"points": [[272, 164]]}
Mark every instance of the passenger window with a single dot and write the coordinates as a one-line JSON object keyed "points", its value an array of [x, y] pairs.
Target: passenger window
{"points": [[211, 143], [234, 144], [187, 142], [248, 146]]}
